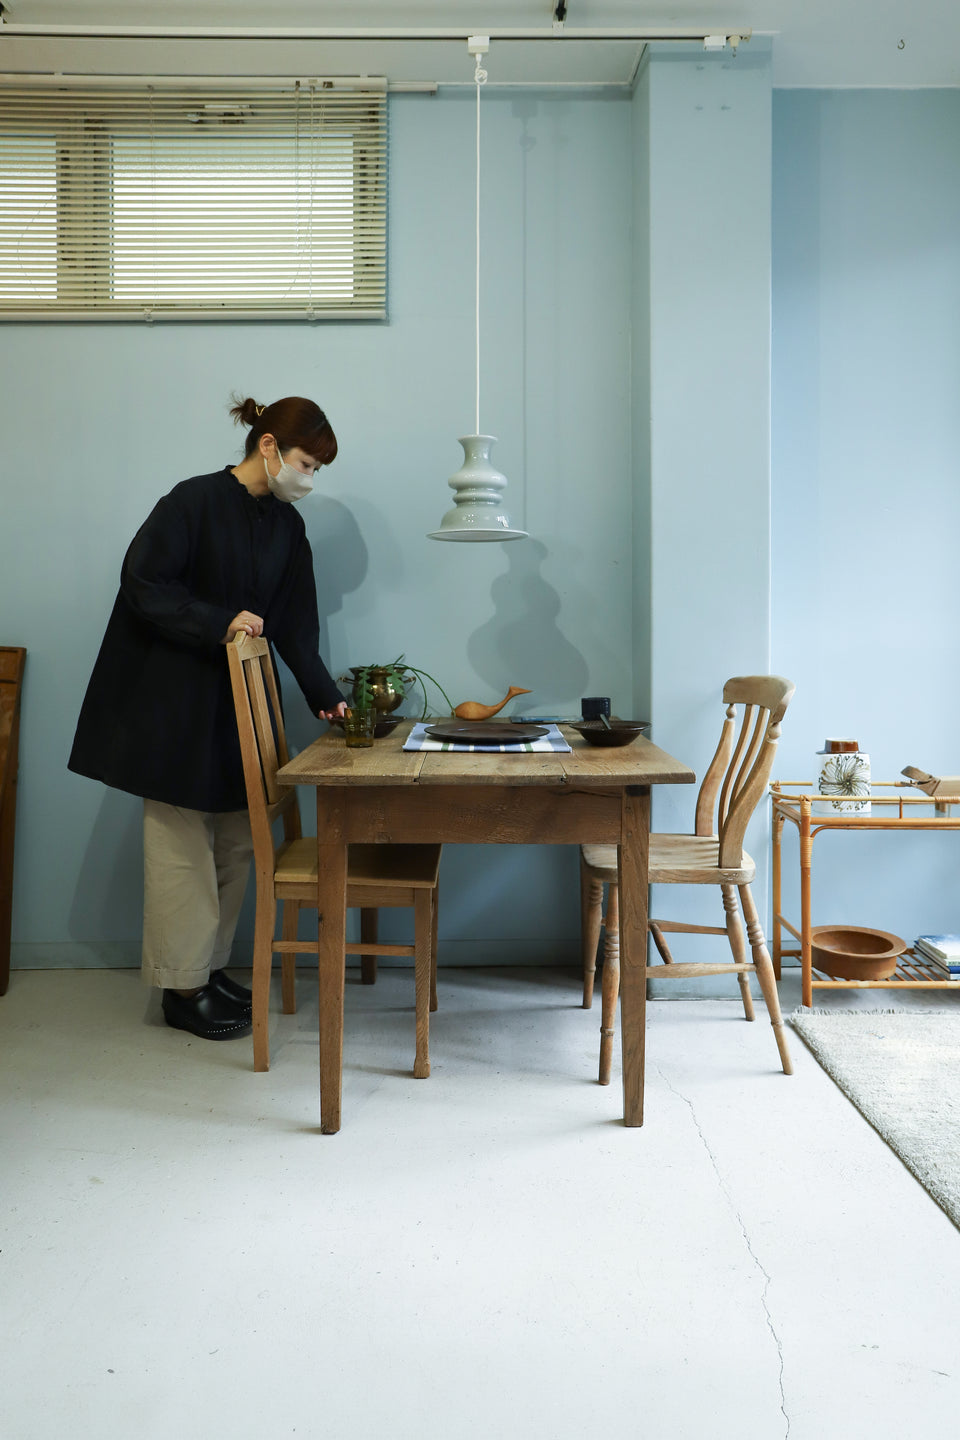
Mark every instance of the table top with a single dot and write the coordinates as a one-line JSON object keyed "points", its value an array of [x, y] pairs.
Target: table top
{"points": [[327, 761]]}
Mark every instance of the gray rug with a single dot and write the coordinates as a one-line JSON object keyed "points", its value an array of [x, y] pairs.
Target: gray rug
{"points": [[902, 1071]]}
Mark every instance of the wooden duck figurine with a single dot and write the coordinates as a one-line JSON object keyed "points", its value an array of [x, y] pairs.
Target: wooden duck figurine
{"points": [[473, 710]]}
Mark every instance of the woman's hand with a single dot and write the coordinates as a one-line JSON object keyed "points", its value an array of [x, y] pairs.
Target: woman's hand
{"points": [[246, 621], [337, 714]]}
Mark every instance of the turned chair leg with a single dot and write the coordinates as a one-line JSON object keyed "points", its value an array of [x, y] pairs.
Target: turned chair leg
{"points": [[765, 975], [609, 981], [738, 944], [591, 911]]}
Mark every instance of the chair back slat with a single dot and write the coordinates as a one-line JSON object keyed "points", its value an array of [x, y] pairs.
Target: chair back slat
{"points": [[270, 680], [264, 729], [716, 770], [262, 739], [735, 769], [749, 761]]}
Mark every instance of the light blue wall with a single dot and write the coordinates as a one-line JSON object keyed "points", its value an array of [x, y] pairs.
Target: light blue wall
{"points": [[640, 395], [866, 505], [705, 166], [709, 391], [100, 420], [601, 215]]}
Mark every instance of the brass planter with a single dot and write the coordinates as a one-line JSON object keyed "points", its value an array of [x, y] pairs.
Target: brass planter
{"points": [[383, 692]]}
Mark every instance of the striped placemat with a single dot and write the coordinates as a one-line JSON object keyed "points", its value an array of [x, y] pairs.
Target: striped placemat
{"points": [[418, 739]]}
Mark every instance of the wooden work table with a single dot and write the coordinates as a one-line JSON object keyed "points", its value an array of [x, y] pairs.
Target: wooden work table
{"points": [[385, 794]]}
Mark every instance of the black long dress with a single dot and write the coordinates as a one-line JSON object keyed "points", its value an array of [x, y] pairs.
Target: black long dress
{"points": [[158, 717]]}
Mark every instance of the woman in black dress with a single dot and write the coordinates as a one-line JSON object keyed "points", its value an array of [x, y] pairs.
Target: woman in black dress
{"points": [[220, 553]]}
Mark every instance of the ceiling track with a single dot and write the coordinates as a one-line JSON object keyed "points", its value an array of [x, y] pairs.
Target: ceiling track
{"points": [[417, 35]]}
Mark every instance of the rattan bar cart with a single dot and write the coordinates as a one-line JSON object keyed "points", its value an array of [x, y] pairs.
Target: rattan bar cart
{"points": [[793, 800]]}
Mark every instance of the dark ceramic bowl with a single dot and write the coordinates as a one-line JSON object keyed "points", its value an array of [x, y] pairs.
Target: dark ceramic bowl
{"points": [[621, 732]]}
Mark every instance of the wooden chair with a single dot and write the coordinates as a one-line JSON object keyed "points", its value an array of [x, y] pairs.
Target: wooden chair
{"points": [[12, 660], [378, 875], [712, 855]]}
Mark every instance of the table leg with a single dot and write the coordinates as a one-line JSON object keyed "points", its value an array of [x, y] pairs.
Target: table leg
{"points": [[423, 956], [806, 943], [632, 864], [777, 893], [332, 909]]}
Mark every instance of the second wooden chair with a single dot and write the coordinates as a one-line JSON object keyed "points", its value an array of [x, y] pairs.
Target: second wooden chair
{"points": [[286, 872], [712, 855]]}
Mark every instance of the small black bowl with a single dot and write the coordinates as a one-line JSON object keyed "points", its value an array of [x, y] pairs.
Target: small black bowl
{"points": [[621, 732]]}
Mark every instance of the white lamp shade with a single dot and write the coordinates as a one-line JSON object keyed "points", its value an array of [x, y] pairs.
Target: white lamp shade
{"points": [[478, 512]]}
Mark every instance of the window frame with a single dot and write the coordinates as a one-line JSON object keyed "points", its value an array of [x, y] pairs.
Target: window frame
{"points": [[291, 118]]}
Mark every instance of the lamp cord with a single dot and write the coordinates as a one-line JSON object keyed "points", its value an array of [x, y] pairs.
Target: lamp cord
{"points": [[479, 76]]}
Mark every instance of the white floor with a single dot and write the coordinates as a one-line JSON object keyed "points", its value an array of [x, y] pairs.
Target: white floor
{"points": [[487, 1253]]}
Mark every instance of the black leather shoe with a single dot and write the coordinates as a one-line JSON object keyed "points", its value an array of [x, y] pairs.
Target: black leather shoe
{"points": [[207, 1014], [222, 983]]}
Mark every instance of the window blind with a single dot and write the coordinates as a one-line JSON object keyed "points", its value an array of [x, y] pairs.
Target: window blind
{"points": [[185, 203]]}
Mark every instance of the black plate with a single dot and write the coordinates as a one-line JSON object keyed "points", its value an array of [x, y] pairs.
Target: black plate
{"points": [[485, 732]]}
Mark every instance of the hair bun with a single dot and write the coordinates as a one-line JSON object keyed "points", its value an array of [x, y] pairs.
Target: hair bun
{"points": [[246, 412]]}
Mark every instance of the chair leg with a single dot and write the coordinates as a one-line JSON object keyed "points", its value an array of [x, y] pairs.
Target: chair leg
{"points": [[368, 934], [591, 908], [738, 944], [765, 975], [609, 981], [288, 963], [422, 934], [434, 927], [264, 924]]}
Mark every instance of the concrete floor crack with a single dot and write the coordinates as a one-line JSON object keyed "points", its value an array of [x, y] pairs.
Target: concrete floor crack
{"points": [[746, 1240]]}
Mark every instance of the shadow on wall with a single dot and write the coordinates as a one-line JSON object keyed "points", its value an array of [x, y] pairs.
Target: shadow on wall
{"points": [[521, 643], [108, 901], [340, 560], [340, 564]]}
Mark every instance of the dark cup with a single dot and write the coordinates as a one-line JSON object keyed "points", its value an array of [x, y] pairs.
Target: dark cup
{"points": [[593, 706]]}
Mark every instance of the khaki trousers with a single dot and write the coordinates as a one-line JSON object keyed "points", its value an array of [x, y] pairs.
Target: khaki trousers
{"points": [[195, 869]]}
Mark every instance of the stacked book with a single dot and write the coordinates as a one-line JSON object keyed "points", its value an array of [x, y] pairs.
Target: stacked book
{"points": [[943, 951]]}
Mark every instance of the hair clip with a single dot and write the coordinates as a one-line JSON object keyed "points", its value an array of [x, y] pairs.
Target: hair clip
{"points": [[258, 408]]}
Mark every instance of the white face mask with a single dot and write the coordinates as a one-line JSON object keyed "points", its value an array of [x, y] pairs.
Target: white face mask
{"points": [[288, 484]]}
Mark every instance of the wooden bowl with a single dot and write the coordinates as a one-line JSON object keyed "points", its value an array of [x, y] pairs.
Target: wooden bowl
{"points": [[854, 952], [621, 732]]}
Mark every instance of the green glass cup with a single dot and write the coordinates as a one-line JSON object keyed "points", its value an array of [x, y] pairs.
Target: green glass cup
{"points": [[358, 728]]}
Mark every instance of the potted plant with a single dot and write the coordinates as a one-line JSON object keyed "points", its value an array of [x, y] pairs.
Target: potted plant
{"points": [[384, 687]]}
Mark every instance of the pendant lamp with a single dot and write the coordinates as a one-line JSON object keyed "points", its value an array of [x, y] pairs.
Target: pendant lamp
{"points": [[478, 512]]}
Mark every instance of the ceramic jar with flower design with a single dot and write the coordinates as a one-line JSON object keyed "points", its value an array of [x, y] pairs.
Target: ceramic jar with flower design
{"points": [[843, 774]]}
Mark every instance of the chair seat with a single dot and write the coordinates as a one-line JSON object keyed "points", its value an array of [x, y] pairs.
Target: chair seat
{"points": [[405, 866], [675, 860]]}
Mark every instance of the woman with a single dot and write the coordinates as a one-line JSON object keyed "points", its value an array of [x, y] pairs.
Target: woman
{"points": [[220, 553]]}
